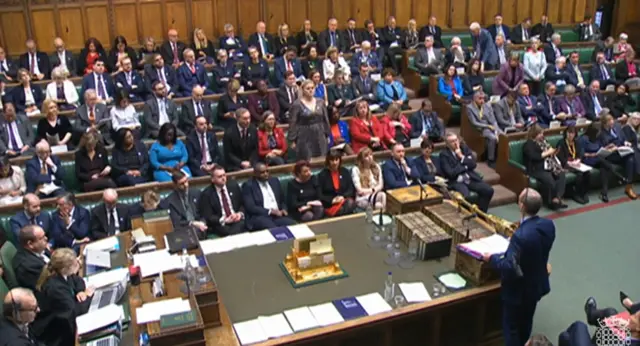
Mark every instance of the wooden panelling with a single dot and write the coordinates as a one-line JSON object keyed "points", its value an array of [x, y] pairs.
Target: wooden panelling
{"points": [[381, 10], [276, 15], [553, 10], [580, 8], [361, 11], [489, 10], [566, 11], [421, 12], [44, 28], [341, 10], [177, 18], [203, 17], [151, 22], [538, 8], [126, 24], [458, 13], [319, 12], [249, 13], [508, 11], [474, 10], [523, 9], [96, 21], [403, 11], [227, 13], [440, 9], [72, 30], [297, 14], [14, 29]]}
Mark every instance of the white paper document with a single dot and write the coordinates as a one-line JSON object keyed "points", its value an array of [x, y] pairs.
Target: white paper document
{"points": [[48, 188], [624, 151], [218, 245], [250, 332], [99, 318], [414, 292], [581, 167], [107, 278], [301, 231], [494, 244], [106, 244], [373, 303], [262, 237], [301, 319], [602, 153], [151, 312], [326, 314], [160, 261], [98, 258], [275, 326]]}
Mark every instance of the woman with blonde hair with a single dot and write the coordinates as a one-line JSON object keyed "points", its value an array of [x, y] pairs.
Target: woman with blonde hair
{"points": [[54, 129], [308, 124], [150, 201], [62, 90], [203, 48], [367, 179], [63, 296], [284, 40], [410, 36], [535, 66], [92, 164], [332, 63]]}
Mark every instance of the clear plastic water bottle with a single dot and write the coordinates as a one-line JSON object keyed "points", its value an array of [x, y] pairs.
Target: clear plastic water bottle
{"points": [[369, 214], [389, 288], [413, 247], [189, 271]]}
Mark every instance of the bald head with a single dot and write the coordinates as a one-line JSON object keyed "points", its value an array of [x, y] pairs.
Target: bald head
{"points": [[20, 304], [110, 198], [530, 201]]}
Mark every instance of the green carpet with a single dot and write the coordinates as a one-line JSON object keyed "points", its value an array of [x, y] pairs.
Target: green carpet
{"points": [[594, 254]]}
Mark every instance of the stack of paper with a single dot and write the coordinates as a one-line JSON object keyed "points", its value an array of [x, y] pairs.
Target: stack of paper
{"points": [[160, 261], [494, 244], [414, 292], [301, 231], [218, 245], [373, 303], [262, 237], [326, 314], [262, 329], [151, 312], [108, 278], [100, 318], [106, 244], [301, 319]]}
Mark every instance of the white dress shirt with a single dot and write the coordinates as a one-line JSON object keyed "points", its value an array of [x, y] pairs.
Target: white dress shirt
{"points": [[431, 55], [268, 197], [28, 97], [63, 59], [33, 58], [124, 118]]}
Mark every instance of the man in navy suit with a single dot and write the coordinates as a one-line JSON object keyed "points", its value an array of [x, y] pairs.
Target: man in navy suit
{"points": [[264, 200], [30, 215], [131, 82], [550, 109], [602, 72], [223, 72], [426, 123], [35, 61], [263, 41], [399, 172], [191, 73], [288, 62], [576, 77], [202, 146], [366, 57], [100, 82], [8, 70], [158, 71], [182, 204], [458, 167], [524, 269], [70, 223], [484, 47], [110, 217], [529, 105], [593, 101], [43, 169], [497, 28]]}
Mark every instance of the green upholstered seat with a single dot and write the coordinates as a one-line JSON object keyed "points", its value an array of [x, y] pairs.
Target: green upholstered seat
{"points": [[568, 35], [424, 80], [4, 289], [7, 252], [465, 37]]}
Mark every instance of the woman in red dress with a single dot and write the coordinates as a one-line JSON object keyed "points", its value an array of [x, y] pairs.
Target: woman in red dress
{"points": [[337, 192], [365, 129], [89, 54]]}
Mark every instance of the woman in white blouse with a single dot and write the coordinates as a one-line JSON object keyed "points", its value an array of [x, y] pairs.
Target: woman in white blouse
{"points": [[334, 62], [62, 90], [367, 178], [123, 115], [535, 64], [12, 183]]}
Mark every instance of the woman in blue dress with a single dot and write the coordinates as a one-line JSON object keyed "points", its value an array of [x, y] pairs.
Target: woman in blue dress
{"points": [[168, 154]]}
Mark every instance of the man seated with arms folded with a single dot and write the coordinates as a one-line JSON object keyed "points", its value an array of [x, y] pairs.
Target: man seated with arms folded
{"points": [[287, 94], [458, 167], [391, 91], [93, 116], [221, 205], [30, 215], [557, 74], [425, 123], [191, 73], [45, 173], [602, 72], [364, 86], [398, 171], [593, 101], [183, 205], [100, 82], [264, 200], [530, 108], [202, 146], [542, 164], [508, 113], [31, 257], [483, 120], [70, 223], [428, 59], [130, 81], [110, 217], [12, 183], [20, 308], [17, 132], [341, 95], [159, 110], [571, 105], [368, 58], [288, 62], [574, 71], [241, 142], [571, 154], [159, 72], [223, 72]]}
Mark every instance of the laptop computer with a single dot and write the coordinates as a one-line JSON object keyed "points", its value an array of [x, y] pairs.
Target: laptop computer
{"points": [[110, 340], [106, 296]]}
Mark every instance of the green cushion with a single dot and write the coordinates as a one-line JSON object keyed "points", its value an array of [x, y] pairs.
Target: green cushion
{"points": [[4, 289], [488, 85], [7, 252], [568, 35], [465, 37]]}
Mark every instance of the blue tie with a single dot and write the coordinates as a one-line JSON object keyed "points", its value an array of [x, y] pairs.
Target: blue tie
{"points": [[597, 106], [427, 124], [333, 39]]}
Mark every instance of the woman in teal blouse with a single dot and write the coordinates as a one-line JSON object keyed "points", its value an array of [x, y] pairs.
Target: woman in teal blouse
{"points": [[168, 154]]}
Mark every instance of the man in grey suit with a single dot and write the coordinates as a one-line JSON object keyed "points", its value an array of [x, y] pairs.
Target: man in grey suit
{"points": [[16, 136], [63, 57], [482, 119], [157, 111], [428, 58], [92, 116], [193, 108], [508, 113]]}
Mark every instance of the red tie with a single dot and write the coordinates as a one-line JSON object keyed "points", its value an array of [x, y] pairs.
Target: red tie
{"points": [[528, 100], [192, 68], [204, 149], [225, 201], [174, 47], [33, 63], [161, 74], [289, 66]]}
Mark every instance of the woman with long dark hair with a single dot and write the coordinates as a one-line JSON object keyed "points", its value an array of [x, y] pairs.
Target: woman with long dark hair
{"points": [[303, 196], [91, 52], [168, 154], [337, 192], [129, 159]]}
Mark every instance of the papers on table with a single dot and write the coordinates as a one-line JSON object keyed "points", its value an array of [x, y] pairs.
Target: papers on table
{"points": [[275, 326], [301, 231], [160, 261], [494, 244], [106, 244], [108, 278], [100, 318], [326, 314], [260, 238], [602, 153], [59, 149], [151, 312], [452, 281], [48, 188], [262, 329], [373, 303], [301, 319], [98, 258], [414, 292], [554, 124]]}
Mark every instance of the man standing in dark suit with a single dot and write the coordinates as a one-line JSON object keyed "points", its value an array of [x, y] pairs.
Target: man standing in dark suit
{"points": [[399, 172], [131, 82], [331, 38], [92, 116], [172, 49], [15, 327], [17, 134], [433, 30], [593, 101], [110, 217], [264, 200], [43, 170], [183, 205], [196, 107], [31, 256], [202, 146], [158, 71], [263, 41], [221, 205], [458, 167], [498, 28], [552, 50], [8, 70], [159, 110], [524, 269], [241, 142], [35, 61], [286, 95], [63, 57], [30, 215], [70, 223]]}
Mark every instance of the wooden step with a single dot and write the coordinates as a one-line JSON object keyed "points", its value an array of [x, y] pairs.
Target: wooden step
{"points": [[502, 196], [490, 176]]}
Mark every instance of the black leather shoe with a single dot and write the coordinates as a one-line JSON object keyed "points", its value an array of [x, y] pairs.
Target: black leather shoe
{"points": [[604, 197], [580, 199], [590, 305], [623, 296]]}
